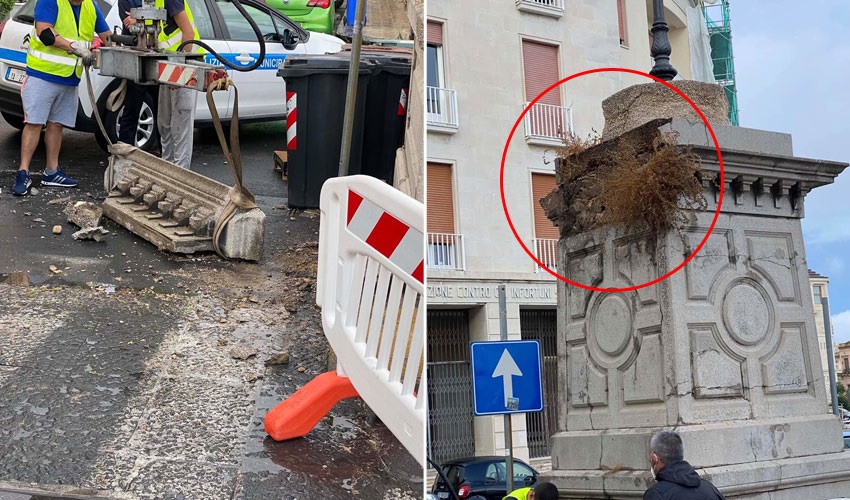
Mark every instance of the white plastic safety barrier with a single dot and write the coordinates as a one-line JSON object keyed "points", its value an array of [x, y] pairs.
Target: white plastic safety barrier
{"points": [[370, 288]]}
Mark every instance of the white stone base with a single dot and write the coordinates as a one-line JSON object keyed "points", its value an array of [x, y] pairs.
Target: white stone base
{"points": [[820, 477], [709, 445]]}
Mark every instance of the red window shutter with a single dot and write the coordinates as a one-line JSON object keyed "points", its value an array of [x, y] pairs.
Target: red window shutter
{"points": [[440, 199], [541, 186], [540, 67], [435, 33], [621, 20]]}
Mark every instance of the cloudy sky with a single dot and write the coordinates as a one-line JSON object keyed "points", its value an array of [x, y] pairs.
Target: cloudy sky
{"points": [[792, 63]]}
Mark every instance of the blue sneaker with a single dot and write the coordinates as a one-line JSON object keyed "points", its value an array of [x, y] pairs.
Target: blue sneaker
{"points": [[22, 183], [58, 179]]}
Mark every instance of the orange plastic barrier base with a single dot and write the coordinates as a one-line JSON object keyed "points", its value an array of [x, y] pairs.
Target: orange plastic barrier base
{"points": [[299, 413]]}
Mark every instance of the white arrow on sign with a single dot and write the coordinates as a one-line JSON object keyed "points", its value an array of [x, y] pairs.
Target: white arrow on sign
{"points": [[507, 368]]}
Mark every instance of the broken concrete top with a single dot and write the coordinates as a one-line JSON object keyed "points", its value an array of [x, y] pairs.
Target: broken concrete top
{"points": [[639, 104]]}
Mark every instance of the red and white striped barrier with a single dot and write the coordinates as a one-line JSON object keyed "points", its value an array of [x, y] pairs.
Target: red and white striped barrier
{"points": [[189, 75], [291, 116], [370, 288], [176, 74], [392, 238]]}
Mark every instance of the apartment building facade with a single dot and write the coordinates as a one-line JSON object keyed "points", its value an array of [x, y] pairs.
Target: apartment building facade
{"points": [[486, 60], [842, 364], [820, 291]]}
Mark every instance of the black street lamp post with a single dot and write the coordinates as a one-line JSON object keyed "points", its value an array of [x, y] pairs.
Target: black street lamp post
{"points": [[660, 44]]}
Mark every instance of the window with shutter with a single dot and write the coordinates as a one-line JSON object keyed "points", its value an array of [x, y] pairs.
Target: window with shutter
{"points": [[541, 186], [445, 247], [440, 208], [434, 56], [540, 68], [548, 119], [621, 22], [440, 101], [545, 232]]}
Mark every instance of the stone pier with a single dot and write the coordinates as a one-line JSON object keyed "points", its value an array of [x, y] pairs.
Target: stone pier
{"points": [[725, 351]]}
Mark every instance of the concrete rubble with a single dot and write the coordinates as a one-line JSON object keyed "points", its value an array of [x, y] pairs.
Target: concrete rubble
{"points": [[86, 215]]}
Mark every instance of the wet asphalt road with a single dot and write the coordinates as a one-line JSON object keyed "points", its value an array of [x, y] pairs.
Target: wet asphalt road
{"points": [[133, 373]]}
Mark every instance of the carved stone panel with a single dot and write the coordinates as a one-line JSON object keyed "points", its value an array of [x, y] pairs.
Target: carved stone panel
{"points": [[784, 370], [772, 254], [748, 313], [716, 256], [610, 329], [584, 267], [634, 266], [588, 384], [717, 373], [643, 380]]}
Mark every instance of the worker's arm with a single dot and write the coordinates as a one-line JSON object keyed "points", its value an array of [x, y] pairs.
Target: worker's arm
{"points": [[101, 27], [58, 41], [182, 20]]}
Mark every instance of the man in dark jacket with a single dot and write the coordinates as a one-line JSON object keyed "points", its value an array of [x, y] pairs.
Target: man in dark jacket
{"points": [[677, 480]]}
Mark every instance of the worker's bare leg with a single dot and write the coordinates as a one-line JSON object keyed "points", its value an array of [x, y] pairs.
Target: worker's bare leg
{"points": [[29, 142], [52, 145]]}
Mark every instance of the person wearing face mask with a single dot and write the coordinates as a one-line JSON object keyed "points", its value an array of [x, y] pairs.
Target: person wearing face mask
{"points": [[676, 478]]}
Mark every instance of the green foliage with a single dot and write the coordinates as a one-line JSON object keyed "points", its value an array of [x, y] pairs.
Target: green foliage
{"points": [[5, 7], [842, 395]]}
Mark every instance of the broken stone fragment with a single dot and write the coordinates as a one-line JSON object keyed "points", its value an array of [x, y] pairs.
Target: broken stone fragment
{"points": [[18, 278], [84, 214], [243, 352], [91, 233], [57, 229], [281, 358]]}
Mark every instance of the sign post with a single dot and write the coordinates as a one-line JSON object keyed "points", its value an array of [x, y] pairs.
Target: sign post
{"points": [[506, 379], [508, 382]]}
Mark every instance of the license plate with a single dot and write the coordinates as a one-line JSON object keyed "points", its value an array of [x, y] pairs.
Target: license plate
{"points": [[15, 75], [443, 494]]}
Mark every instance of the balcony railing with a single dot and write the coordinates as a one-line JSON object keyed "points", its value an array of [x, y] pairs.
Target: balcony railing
{"points": [[446, 252], [554, 8], [546, 250], [441, 108], [548, 123]]}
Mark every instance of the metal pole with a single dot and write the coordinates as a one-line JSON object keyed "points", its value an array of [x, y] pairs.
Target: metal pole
{"points": [[351, 91], [830, 356], [660, 44], [503, 335]]}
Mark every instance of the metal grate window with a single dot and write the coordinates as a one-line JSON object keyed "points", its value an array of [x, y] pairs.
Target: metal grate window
{"points": [[541, 324], [450, 431]]}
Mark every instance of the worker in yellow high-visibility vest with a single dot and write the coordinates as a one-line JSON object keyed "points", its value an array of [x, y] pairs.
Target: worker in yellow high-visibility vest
{"points": [[176, 105], [541, 491], [59, 47]]}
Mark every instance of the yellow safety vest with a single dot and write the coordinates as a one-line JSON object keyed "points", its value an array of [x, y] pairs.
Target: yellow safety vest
{"points": [[56, 61], [520, 494], [170, 41]]}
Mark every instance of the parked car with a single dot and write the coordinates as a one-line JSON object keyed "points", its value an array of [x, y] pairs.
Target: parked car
{"points": [[312, 15], [846, 435], [262, 95], [481, 478]]}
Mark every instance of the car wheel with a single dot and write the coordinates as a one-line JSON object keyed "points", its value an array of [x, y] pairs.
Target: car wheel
{"points": [[147, 132], [14, 120]]}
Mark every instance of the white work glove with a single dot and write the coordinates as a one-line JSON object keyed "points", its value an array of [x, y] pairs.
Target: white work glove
{"points": [[81, 52]]}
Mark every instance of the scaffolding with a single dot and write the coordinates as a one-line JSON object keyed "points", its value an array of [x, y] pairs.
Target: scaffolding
{"points": [[720, 36]]}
